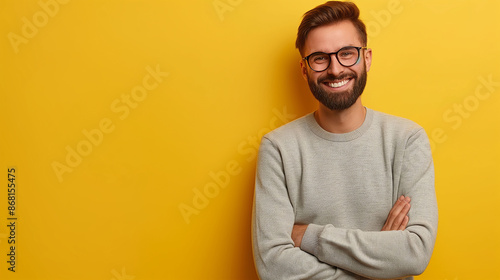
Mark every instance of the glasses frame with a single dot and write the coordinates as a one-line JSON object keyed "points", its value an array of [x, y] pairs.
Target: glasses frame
{"points": [[336, 56]]}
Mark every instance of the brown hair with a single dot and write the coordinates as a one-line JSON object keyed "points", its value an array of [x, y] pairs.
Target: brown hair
{"points": [[330, 12]]}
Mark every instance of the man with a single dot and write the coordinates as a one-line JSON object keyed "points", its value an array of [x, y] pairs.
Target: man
{"points": [[333, 188]]}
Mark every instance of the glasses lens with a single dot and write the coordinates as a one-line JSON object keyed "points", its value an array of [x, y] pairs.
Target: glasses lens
{"points": [[348, 56], [319, 61]]}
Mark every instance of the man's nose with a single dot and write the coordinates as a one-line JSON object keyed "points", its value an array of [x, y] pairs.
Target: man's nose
{"points": [[335, 67]]}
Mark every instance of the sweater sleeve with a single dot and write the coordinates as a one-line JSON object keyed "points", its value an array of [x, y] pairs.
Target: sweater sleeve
{"points": [[272, 222], [387, 254]]}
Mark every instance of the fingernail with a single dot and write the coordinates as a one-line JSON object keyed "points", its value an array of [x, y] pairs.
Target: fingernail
{"points": [[408, 199]]}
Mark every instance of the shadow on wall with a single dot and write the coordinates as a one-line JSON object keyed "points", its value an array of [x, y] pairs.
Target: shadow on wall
{"points": [[244, 268], [298, 97], [293, 93]]}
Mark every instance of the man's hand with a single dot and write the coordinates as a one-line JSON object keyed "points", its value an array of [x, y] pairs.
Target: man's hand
{"points": [[297, 234], [398, 219]]}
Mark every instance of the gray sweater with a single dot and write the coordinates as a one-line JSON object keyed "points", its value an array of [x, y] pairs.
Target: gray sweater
{"points": [[343, 186]]}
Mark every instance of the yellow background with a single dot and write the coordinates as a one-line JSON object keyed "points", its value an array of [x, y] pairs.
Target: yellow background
{"points": [[232, 75]]}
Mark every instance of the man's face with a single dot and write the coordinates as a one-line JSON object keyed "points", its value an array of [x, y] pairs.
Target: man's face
{"points": [[338, 87]]}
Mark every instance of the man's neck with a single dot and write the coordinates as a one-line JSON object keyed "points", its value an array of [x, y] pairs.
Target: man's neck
{"points": [[341, 121]]}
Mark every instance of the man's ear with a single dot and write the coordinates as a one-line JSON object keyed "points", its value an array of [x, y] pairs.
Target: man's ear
{"points": [[303, 69], [368, 59]]}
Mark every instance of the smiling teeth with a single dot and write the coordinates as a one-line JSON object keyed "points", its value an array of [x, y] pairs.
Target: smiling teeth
{"points": [[339, 84]]}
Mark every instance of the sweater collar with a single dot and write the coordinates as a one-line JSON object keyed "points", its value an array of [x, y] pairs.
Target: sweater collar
{"points": [[340, 137]]}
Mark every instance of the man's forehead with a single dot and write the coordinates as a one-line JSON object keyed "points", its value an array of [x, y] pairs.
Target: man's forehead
{"points": [[332, 37]]}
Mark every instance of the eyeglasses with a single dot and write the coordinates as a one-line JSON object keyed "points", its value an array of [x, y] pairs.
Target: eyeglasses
{"points": [[346, 56]]}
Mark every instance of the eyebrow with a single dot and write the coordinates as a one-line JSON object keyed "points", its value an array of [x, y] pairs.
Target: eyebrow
{"points": [[323, 51]]}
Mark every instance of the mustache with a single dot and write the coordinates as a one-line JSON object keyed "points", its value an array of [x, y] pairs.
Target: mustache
{"points": [[330, 77]]}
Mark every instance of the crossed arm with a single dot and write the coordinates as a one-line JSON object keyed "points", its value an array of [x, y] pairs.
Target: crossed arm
{"points": [[396, 220], [284, 250]]}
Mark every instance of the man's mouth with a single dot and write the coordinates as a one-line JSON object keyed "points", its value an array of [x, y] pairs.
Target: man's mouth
{"points": [[337, 84]]}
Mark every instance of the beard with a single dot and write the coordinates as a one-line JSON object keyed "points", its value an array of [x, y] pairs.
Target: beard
{"points": [[338, 100]]}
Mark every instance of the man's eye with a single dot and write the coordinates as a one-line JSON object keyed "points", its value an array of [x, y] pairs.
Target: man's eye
{"points": [[346, 53], [320, 58]]}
